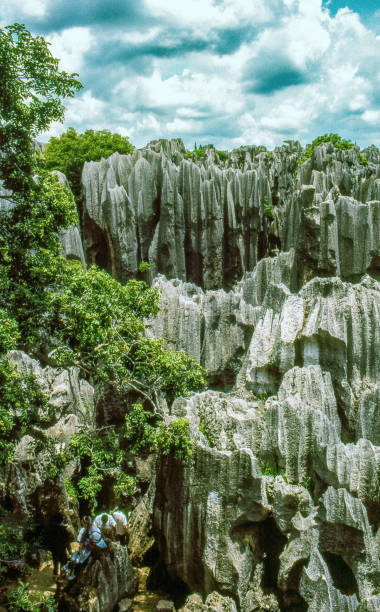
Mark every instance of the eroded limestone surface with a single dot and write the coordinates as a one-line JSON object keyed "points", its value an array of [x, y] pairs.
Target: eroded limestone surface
{"points": [[210, 221], [27, 484], [268, 275]]}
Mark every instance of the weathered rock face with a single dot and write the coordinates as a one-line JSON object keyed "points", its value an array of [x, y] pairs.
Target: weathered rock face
{"points": [[272, 283], [279, 506], [315, 351], [210, 221], [70, 238], [27, 485], [296, 540], [106, 579]]}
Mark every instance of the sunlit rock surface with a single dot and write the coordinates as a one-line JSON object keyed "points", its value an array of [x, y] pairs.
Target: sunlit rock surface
{"points": [[27, 484], [268, 274], [209, 221], [107, 578]]}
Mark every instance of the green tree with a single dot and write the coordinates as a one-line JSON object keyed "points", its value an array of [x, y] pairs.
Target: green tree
{"points": [[31, 94], [338, 142], [57, 309], [98, 325], [31, 97], [69, 152]]}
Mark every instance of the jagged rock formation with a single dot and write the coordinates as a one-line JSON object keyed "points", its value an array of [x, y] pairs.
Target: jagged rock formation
{"points": [[70, 238], [211, 221], [269, 276], [27, 485], [279, 506], [107, 578]]}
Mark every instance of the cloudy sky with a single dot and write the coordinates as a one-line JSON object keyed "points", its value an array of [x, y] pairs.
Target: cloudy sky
{"points": [[227, 72]]}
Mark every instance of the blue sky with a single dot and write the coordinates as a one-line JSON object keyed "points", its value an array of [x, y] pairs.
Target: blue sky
{"points": [[227, 72]]}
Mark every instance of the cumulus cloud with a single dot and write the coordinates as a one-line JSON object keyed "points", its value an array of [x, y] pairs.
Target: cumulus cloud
{"points": [[223, 71]]}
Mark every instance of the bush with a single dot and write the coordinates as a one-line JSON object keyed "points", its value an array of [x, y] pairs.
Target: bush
{"points": [[19, 600], [21, 402], [69, 152], [338, 142]]}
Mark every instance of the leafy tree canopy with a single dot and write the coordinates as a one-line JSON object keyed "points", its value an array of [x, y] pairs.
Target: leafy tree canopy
{"points": [[57, 310], [31, 94], [69, 152], [337, 141]]}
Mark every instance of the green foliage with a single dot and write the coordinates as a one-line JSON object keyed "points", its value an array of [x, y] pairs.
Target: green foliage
{"points": [[145, 431], [199, 153], [268, 469], [29, 247], [335, 139], [140, 429], [21, 405], [31, 93], [144, 266], [104, 452], [268, 209], [19, 600], [98, 325], [12, 545], [174, 439], [71, 490], [308, 483], [9, 334], [101, 456], [223, 155], [203, 430], [71, 150], [363, 160], [47, 302]]}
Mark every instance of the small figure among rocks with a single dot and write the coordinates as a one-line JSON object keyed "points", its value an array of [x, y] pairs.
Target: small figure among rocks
{"points": [[107, 525], [121, 526], [91, 541], [57, 539]]}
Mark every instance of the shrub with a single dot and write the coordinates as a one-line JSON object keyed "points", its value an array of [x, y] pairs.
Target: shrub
{"points": [[69, 152], [337, 141]]}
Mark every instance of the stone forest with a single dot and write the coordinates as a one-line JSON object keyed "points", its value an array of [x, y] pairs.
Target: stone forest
{"points": [[236, 416]]}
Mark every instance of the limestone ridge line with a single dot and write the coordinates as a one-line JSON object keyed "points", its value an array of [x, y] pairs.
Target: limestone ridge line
{"points": [[269, 276], [209, 221]]}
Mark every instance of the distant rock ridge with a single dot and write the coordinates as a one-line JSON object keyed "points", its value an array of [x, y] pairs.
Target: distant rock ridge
{"points": [[209, 221], [269, 276]]}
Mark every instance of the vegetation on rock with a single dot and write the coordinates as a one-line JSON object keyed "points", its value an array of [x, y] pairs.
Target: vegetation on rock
{"points": [[55, 309], [69, 151], [199, 153], [336, 140]]}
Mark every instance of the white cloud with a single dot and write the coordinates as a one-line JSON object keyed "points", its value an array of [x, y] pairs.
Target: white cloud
{"points": [[371, 116], [70, 46], [11, 11], [328, 66], [84, 109], [185, 90]]}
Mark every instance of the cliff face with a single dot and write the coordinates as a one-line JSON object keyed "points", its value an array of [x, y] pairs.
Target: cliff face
{"points": [[211, 221], [268, 274]]}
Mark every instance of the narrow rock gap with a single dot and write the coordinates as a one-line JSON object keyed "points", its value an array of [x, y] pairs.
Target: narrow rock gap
{"points": [[96, 245], [272, 542], [161, 580], [341, 574]]}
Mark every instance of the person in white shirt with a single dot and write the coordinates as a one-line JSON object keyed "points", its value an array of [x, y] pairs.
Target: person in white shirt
{"points": [[121, 526], [90, 540], [107, 525]]}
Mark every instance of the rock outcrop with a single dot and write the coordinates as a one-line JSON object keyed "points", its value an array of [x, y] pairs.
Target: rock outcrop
{"points": [[27, 483], [268, 273], [107, 578], [269, 276], [209, 221]]}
